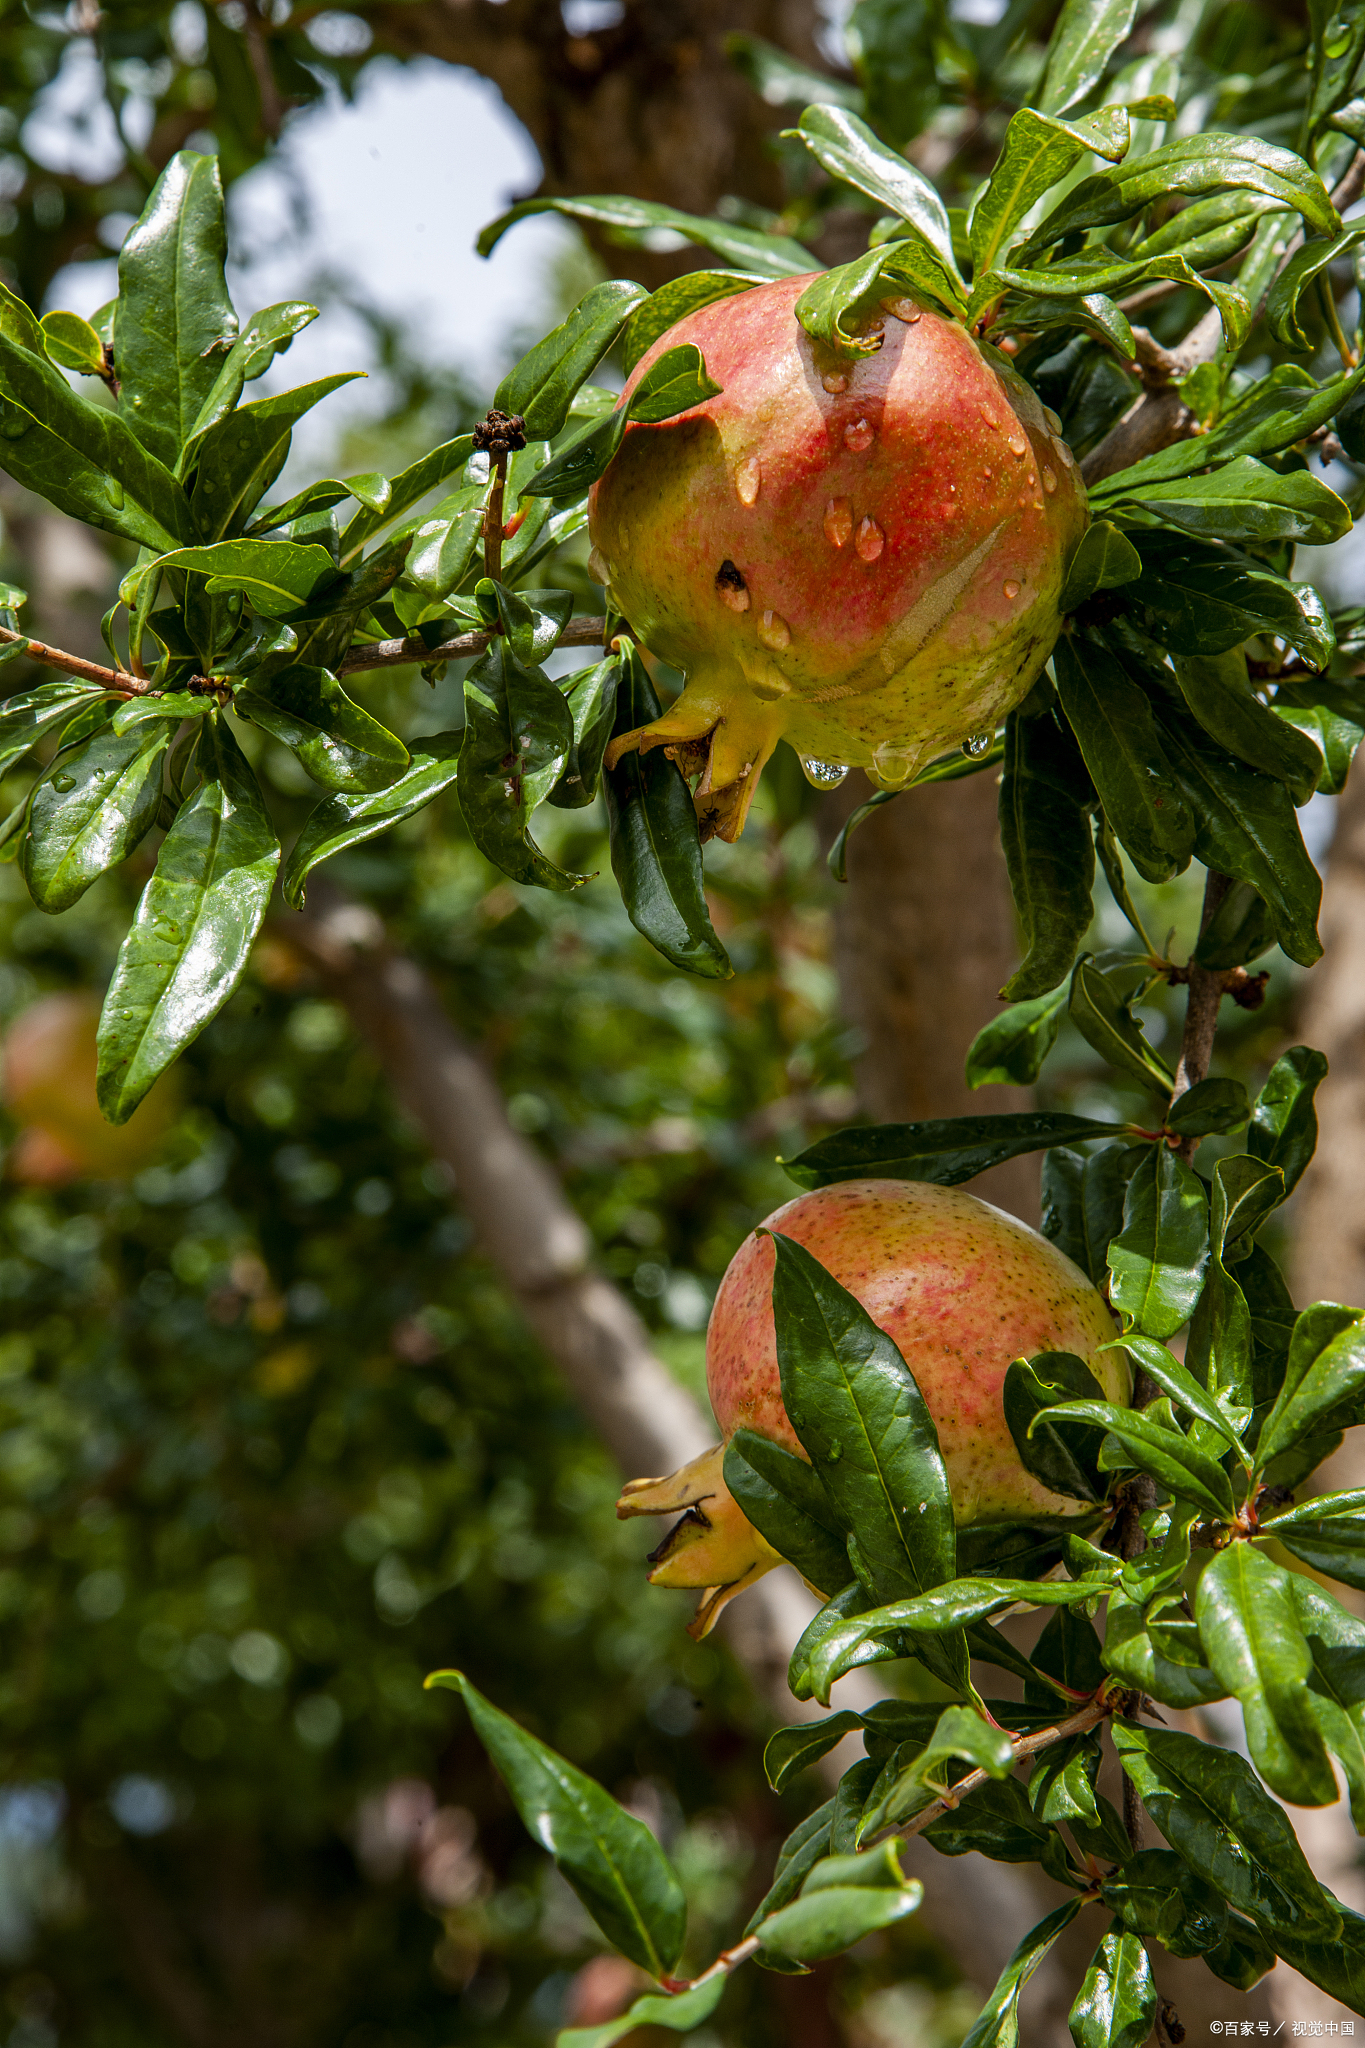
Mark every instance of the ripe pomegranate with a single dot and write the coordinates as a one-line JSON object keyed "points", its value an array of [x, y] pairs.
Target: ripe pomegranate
{"points": [[862, 557], [959, 1286], [48, 1087]]}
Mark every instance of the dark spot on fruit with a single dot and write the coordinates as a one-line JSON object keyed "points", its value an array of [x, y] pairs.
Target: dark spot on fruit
{"points": [[728, 577]]}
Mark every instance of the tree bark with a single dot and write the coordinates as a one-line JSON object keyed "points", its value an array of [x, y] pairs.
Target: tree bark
{"points": [[925, 939]]}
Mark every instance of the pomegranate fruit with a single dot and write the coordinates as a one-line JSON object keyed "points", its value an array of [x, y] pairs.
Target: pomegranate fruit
{"points": [[862, 557], [960, 1287]]}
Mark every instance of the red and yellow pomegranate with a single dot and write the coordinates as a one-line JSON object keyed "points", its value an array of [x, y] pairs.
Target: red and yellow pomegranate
{"points": [[959, 1286], [860, 556]]}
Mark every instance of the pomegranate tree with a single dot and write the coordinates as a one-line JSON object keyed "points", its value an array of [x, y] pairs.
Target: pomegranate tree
{"points": [[860, 555], [960, 1287]]}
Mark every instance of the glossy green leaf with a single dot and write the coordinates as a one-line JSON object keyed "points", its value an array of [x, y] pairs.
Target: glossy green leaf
{"points": [[194, 928], [1112, 718], [175, 319], [945, 1150], [1136, 1661], [1116, 2005], [1064, 1460], [1326, 1367], [1166, 1453], [1300, 273], [1284, 1118], [1045, 799], [1158, 1896], [1213, 1811], [27, 716], [995, 1820], [805, 1846], [90, 810], [1105, 1020], [859, 1414], [1278, 410], [1244, 500], [446, 543], [73, 343], [19, 323], [1215, 1104], [1087, 34], [1249, 1629], [784, 1499], [276, 575], [878, 1868], [407, 489], [541, 387], [747, 248], [1217, 689], [998, 2024], [673, 302], [82, 457], [673, 383], [343, 821], [680, 2014], [1332, 716], [592, 704], [1336, 1964], [1013, 1046], [1245, 826], [237, 460], [266, 335], [826, 1922], [1336, 1686], [1208, 600], [1245, 1190], [518, 736], [793, 1750], [655, 849], [1175, 1378], [611, 1859], [1083, 1201], [849, 150], [1328, 1533], [962, 1734], [1038, 152], [338, 743], [1104, 559], [835, 305], [369, 488]]}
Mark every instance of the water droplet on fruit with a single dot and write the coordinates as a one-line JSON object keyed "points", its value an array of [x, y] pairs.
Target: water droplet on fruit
{"points": [[63, 783], [978, 743], [774, 631], [1011, 589], [893, 765], [1049, 481], [858, 436], [989, 417], [871, 540], [1017, 444], [839, 522], [749, 480], [599, 568], [904, 309], [834, 380], [986, 475], [824, 774]]}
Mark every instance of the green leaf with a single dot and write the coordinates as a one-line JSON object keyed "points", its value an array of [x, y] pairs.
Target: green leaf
{"points": [[1218, 692], [998, 2024], [793, 1750], [1112, 718], [1135, 1660], [369, 488], [344, 821], [407, 489], [1245, 1190], [72, 343], [1337, 35], [671, 385], [592, 703], [1169, 1455], [276, 575], [1083, 42], [1326, 1532], [673, 301], [1158, 1896], [1083, 1202], [747, 248], [879, 1868], [858, 1412], [542, 386], [1038, 151], [1303, 269], [1176, 1379], [175, 319], [1212, 1810], [1249, 1629], [611, 1859], [1065, 1461], [1284, 1119], [83, 458], [944, 1150], [805, 1846], [1336, 1688], [996, 1821], [238, 459], [1045, 799], [1104, 559], [1105, 1020], [655, 848], [447, 541], [1336, 1964], [195, 925], [784, 1499], [89, 811], [518, 735], [781, 79], [962, 1733], [681, 2013], [833, 306], [849, 150], [826, 1922], [1239, 931], [1244, 500], [1209, 600], [26, 717], [1013, 1046], [266, 335], [19, 323], [1245, 826], [1211, 1105], [1116, 2005], [1326, 1367], [338, 743]]}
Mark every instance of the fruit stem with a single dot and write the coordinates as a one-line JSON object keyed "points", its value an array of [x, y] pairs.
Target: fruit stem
{"points": [[492, 520], [1201, 1010]]}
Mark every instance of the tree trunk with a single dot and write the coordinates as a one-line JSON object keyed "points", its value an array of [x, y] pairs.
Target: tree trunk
{"points": [[925, 940]]}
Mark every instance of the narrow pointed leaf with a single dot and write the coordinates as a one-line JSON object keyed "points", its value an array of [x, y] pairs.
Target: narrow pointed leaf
{"points": [[1217, 691], [238, 459], [849, 150], [998, 2025], [26, 717], [1167, 1454], [1099, 1012], [1116, 730], [1084, 40], [1116, 2005], [1013, 1046], [793, 1750], [1284, 1120], [1249, 1628], [265, 335], [1066, 1460], [541, 387], [1326, 1367], [673, 301], [1045, 799], [747, 248], [680, 2014], [338, 743], [277, 575], [344, 821], [826, 1922], [90, 811], [784, 1499], [1157, 1261], [946, 1150]]}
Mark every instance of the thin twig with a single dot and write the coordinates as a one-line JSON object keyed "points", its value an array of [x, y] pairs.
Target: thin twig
{"points": [[1023, 1746], [1201, 1009], [399, 653], [72, 664], [492, 520]]}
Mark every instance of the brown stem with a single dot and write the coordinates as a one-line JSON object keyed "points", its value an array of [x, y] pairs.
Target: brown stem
{"points": [[72, 664], [1201, 1009], [1024, 1746], [258, 54], [492, 520], [401, 653], [1132, 1812]]}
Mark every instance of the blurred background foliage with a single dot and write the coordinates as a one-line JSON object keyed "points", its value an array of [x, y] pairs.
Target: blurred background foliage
{"points": [[272, 1441]]}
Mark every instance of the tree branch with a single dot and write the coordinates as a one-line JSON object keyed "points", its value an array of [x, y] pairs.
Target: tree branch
{"points": [[400, 653], [1201, 1009], [71, 664]]}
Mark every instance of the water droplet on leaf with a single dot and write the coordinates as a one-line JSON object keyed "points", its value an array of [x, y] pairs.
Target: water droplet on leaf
{"points": [[977, 744], [14, 425], [824, 774], [871, 540], [113, 491], [893, 765], [63, 783]]}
